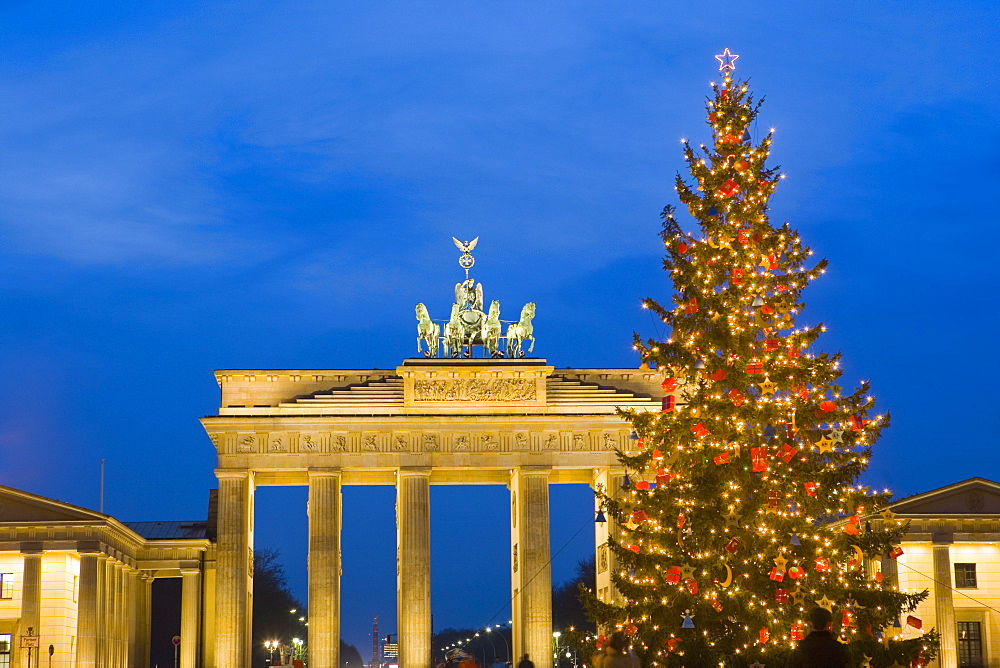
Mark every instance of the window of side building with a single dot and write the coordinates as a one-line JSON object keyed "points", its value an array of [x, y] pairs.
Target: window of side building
{"points": [[6, 585], [965, 576]]}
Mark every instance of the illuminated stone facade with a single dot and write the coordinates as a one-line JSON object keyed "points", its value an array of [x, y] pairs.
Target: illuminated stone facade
{"points": [[79, 581], [952, 549], [514, 422]]}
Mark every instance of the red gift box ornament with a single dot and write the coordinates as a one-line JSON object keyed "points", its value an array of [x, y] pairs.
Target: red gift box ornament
{"points": [[915, 622], [667, 404], [764, 636], [601, 642], [857, 424], [714, 602], [755, 368], [759, 458], [692, 585], [631, 629], [787, 452], [770, 344], [822, 565], [699, 430], [680, 520], [663, 476], [794, 352], [777, 575], [798, 631], [772, 262], [780, 595], [691, 306], [674, 574], [721, 459], [773, 497], [730, 139], [736, 397], [810, 488], [733, 545], [846, 618], [672, 644], [657, 455], [639, 516], [737, 278], [743, 236], [669, 384], [895, 553]]}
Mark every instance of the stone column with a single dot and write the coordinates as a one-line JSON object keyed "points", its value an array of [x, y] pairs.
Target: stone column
{"points": [[87, 606], [944, 607], [143, 605], [413, 545], [531, 573], [31, 600], [190, 615], [604, 560], [234, 580], [324, 568], [134, 627]]}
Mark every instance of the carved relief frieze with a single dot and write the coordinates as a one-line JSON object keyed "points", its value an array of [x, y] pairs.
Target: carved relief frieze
{"points": [[401, 442], [579, 441], [338, 442], [309, 442], [475, 389], [461, 443], [491, 443], [246, 442], [430, 443], [551, 442], [277, 443], [521, 441], [369, 443], [610, 441]]}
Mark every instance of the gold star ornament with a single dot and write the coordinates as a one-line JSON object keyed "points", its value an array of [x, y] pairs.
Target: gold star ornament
{"points": [[826, 603]]}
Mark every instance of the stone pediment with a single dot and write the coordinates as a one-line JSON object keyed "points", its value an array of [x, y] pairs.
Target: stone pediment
{"points": [[976, 496], [18, 506]]}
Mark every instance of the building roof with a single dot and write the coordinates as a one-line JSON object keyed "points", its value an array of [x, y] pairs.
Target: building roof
{"points": [[168, 530]]}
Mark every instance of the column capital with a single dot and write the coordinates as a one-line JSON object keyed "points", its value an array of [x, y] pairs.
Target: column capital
{"points": [[414, 471], [532, 470], [238, 474], [324, 472]]}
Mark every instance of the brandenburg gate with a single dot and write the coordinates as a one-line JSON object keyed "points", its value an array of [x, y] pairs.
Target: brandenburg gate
{"points": [[504, 419]]}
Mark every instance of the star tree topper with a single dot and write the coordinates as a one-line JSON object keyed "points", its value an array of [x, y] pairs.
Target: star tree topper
{"points": [[727, 61]]}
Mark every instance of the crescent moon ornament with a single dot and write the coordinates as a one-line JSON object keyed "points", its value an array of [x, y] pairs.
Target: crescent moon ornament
{"points": [[729, 577], [855, 564]]}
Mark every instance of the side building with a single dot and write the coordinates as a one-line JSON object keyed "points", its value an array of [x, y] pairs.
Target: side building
{"points": [[952, 549], [76, 584]]}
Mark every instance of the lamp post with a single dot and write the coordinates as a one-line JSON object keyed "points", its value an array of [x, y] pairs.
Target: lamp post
{"points": [[506, 645], [271, 645], [555, 652]]}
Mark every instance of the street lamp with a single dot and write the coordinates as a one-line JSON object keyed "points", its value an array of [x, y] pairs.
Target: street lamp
{"points": [[507, 656], [271, 645], [297, 642]]}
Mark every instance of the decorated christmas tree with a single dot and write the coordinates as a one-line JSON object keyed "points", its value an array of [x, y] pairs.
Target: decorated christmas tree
{"points": [[741, 510]]}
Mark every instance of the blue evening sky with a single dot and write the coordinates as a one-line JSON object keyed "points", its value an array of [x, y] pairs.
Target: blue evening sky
{"points": [[189, 186]]}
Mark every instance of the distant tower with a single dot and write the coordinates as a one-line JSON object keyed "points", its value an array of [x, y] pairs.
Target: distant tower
{"points": [[376, 654]]}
